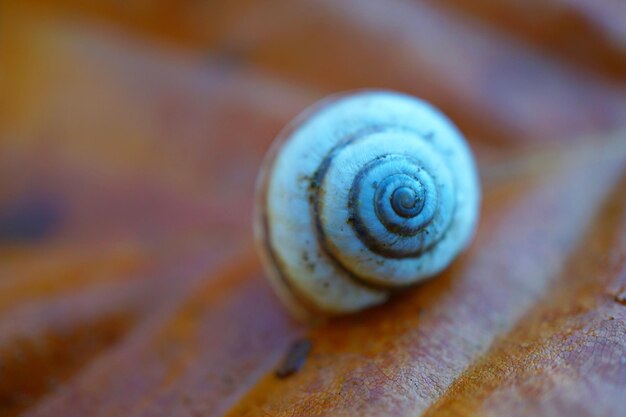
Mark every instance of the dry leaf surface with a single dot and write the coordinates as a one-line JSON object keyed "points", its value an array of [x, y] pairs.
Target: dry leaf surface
{"points": [[130, 138]]}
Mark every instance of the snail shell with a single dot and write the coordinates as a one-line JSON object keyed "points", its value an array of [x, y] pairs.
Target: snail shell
{"points": [[361, 194]]}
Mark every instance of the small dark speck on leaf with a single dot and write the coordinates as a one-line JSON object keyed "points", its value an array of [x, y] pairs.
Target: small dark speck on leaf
{"points": [[620, 296], [29, 218], [227, 380], [230, 55], [293, 361]]}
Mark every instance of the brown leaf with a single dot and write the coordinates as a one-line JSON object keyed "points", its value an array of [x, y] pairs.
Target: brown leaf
{"points": [[128, 153]]}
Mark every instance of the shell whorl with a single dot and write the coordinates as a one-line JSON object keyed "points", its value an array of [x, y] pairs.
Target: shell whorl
{"points": [[362, 194], [399, 199]]}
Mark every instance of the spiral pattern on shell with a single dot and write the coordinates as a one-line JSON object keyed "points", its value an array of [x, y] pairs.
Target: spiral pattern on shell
{"points": [[362, 194]]}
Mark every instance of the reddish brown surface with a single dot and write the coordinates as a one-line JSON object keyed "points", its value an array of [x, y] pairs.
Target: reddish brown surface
{"points": [[130, 137]]}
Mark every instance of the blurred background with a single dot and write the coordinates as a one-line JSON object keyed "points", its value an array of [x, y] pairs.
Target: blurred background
{"points": [[131, 133]]}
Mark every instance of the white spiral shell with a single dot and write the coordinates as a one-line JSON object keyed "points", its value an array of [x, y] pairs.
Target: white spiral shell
{"points": [[361, 194]]}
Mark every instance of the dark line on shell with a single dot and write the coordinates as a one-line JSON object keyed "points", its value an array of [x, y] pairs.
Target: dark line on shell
{"points": [[363, 232], [267, 169], [317, 189]]}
